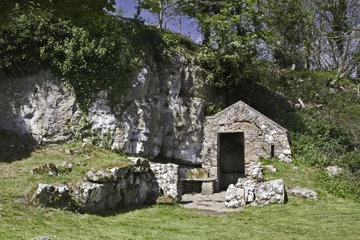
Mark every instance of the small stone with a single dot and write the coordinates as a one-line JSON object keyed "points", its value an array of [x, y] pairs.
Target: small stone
{"points": [[334, 171], [233, 203], [41, 238], [48, 168], [69, 152], [270, 168]]}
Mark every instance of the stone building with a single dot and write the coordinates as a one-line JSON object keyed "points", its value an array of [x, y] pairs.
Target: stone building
{"points": [[235, 139]]}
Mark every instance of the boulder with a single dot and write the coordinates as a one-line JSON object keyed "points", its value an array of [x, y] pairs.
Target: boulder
{"points": [[270, 192], [99, 176], [166, 180], [255, 172], [301, 192], [235, 197], [57, 196], [256, 194]]}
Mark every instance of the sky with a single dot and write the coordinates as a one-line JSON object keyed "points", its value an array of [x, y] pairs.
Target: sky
{"points": [[189, 27]]}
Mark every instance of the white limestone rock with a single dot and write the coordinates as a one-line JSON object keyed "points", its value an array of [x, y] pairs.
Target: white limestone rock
{"points": [[256, 194], [57, 196], [166, 180], [301, 192], [270, 192], [255, 172], [270, 168], [334, 171]]}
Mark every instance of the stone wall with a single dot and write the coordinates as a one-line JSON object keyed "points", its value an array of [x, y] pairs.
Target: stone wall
{"points": [[162, 114], [136, 184], [260, 133]]}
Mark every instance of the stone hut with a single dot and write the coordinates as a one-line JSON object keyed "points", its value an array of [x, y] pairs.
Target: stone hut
{"points": [[235, 139]]}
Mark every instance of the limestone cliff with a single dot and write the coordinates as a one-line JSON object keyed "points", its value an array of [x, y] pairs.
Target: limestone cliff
{"points": [[160, 116]]}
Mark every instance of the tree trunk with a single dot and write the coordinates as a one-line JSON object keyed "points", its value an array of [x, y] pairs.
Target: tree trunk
{"points": [[161, 14]]}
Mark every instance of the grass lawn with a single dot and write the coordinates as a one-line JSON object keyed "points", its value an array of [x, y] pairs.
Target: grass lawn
{"points": [[328, 218]]}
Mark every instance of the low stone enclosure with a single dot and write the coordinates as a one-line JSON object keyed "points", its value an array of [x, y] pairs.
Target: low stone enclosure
{"points": [[143, 182], [135, 184]]}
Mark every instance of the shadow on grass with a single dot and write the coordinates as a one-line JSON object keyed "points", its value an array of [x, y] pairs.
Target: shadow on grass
{"points": [[15, 147], [122, 210]]}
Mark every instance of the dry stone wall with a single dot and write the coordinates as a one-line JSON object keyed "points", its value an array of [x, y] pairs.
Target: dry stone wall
{"points": [[136, 184]]}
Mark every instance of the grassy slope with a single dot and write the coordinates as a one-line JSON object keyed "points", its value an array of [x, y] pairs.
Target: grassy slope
{"points": [[328, 218]]}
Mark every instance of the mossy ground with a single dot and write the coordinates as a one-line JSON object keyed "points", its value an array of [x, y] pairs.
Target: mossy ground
{"points": [[328, 218]]}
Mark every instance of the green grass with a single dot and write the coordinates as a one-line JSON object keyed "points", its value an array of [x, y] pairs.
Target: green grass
{"points": [[328, 218]]}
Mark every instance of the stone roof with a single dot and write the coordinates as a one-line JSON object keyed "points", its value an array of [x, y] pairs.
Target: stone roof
{"points": [[254, 115]]}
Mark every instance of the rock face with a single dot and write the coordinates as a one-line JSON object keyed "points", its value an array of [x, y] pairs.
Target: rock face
{"points": [[134, 185], [37, 106], [255, 194], [163, 114]]}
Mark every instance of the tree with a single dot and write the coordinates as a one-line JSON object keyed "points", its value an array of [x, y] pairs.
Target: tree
{"points": [[231, 31], [291, 24], [163, 9], [337, 26]]}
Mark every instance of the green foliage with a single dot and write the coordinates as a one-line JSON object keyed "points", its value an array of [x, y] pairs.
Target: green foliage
{"points": [[83, 12], [213, 108], [346, 186], [231, 31], [290, 22], [87, 61]]}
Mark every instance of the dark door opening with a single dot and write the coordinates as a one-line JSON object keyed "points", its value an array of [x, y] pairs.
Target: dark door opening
{"points": [[231, 161]]}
